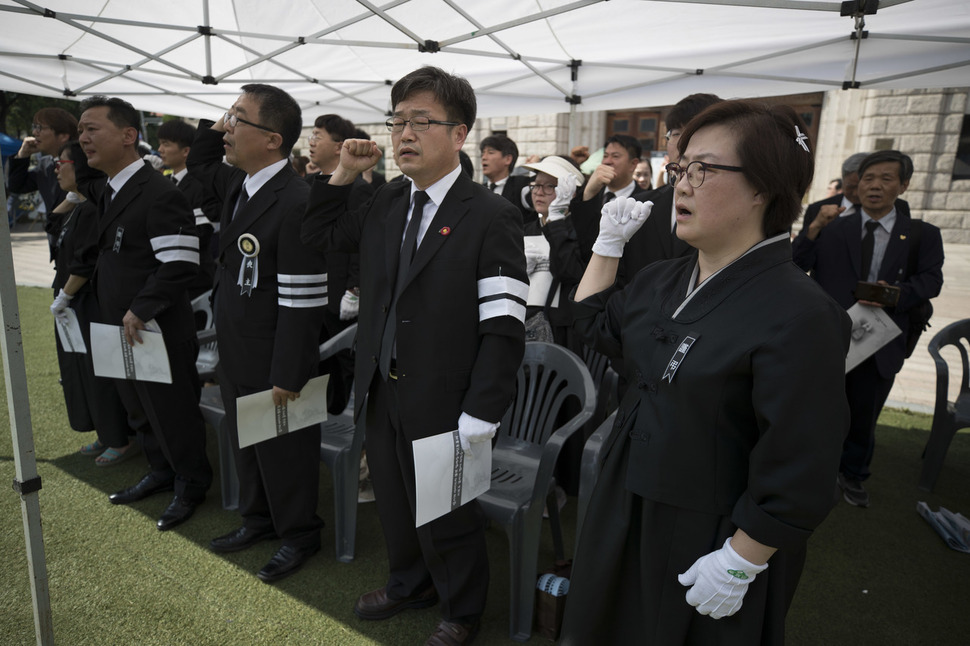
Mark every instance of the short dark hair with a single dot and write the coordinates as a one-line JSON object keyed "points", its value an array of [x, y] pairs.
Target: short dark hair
{"points": [[631, 145], [882, 156], [178, 132], [76, 154], [466, 164], [336, 126], [688, 108], [770, 152], [120, 112], [279, 112], [59, 120], [453, 92], [502, 144], [360, 133]]}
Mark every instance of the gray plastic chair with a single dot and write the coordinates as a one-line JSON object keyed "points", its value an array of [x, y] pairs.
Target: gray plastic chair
{"points": [[341, 442], [523, 459], [948, 417], [208, 357], [590, 468], [605, 380]]}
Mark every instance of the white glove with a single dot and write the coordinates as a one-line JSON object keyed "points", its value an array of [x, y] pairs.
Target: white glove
{"points": [[472, 430], [349, 306], [61, 302], [565, 190], [719, 581], [73, 197], [620, 219]]}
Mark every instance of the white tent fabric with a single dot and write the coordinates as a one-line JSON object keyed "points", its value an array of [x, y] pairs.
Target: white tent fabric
{"points": [[189, 57]]}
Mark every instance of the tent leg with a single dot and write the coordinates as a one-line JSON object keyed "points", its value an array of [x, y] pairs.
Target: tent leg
{"points": [[27, 483]]}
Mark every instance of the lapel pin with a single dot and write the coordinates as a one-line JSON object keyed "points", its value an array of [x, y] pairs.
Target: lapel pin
{"points": [[444, 231], [902, 237]]}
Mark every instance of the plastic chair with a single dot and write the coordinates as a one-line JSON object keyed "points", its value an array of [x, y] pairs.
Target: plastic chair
{"points": [[948, 417], [208, 357], [590, 468], [214, 413], [341, 442], [523, 460], [605, 380]]}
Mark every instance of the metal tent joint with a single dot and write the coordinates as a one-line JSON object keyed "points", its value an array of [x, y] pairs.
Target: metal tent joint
{"points": [[574, 99], [27, 486], [208, 79], [49, 13], [429, 46], [204, 30]]}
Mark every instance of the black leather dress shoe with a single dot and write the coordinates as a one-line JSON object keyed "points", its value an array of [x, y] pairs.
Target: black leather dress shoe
{"points": [[240, 539], [377, 605], [147, 486], [285, 562], [178, 511]]}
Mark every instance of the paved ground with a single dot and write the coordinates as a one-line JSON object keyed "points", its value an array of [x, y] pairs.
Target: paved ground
{"points": [[915, 386]]}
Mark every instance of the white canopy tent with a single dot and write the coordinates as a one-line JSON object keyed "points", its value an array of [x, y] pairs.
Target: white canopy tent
{"points": [[189, 57]]}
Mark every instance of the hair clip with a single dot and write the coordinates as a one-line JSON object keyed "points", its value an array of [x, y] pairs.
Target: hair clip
{"points": [[800, 138]]}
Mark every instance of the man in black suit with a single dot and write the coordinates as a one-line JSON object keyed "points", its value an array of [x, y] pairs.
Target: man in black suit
{"points": [[874, 245], [657, 238], [174, 142], [440, 334], [499, 154], [270, 297], [148, 254], [613, 178], [821, 213]]}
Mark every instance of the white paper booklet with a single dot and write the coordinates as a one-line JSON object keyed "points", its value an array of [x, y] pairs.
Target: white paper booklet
{"points": [[69, 331], [113, 357], [871, 330], [259, 419], [445, 477]]}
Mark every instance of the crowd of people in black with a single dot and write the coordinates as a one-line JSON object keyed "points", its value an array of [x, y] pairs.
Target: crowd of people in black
{"points": [[720, 326]]}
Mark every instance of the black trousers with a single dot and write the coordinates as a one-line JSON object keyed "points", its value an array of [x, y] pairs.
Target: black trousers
{"points": [[172, 429], [279, 479], [450, 551], [867, 392]]}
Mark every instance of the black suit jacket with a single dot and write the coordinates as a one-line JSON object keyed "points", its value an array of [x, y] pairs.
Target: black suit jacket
{"points": [[460, 327], [654, 241], [834, 259], [271, 336], [148, 251], [206, 212]]}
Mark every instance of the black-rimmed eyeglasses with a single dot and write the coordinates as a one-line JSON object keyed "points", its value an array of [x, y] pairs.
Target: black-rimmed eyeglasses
{"points": [[418, 124], [543, 189], [696, 170], [232, 120]]}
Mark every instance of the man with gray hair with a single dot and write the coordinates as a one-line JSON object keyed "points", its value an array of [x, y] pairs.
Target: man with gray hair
{"points": [[839, 205]]}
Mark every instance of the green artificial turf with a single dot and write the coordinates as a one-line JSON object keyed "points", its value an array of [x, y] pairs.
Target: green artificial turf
{"points": [[874, 576]]}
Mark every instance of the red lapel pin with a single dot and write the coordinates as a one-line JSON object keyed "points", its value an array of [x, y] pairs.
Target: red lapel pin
{"points": [[444, 231]]}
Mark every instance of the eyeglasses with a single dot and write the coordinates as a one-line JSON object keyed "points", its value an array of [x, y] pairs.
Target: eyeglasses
{"points": [[696, 170], [418, 124], [60, 162], [314, 138], [543, 189], [37, 127], [672, 134], [232, 120]]}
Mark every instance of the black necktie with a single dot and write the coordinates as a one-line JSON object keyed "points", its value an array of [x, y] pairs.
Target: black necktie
{"points": [[609, 197], [241, 202], [408, 249], [868, 244], [106, 198], [491, 186], [175, 180]]}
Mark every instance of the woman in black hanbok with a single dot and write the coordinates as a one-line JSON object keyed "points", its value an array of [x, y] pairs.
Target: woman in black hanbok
{"points": [[725, 451]]}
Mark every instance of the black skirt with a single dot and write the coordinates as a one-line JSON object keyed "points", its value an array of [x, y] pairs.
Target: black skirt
{"points": [[624, 587]]}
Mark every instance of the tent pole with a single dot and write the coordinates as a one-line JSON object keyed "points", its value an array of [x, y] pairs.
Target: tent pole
{"points": [[26, 483]]}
